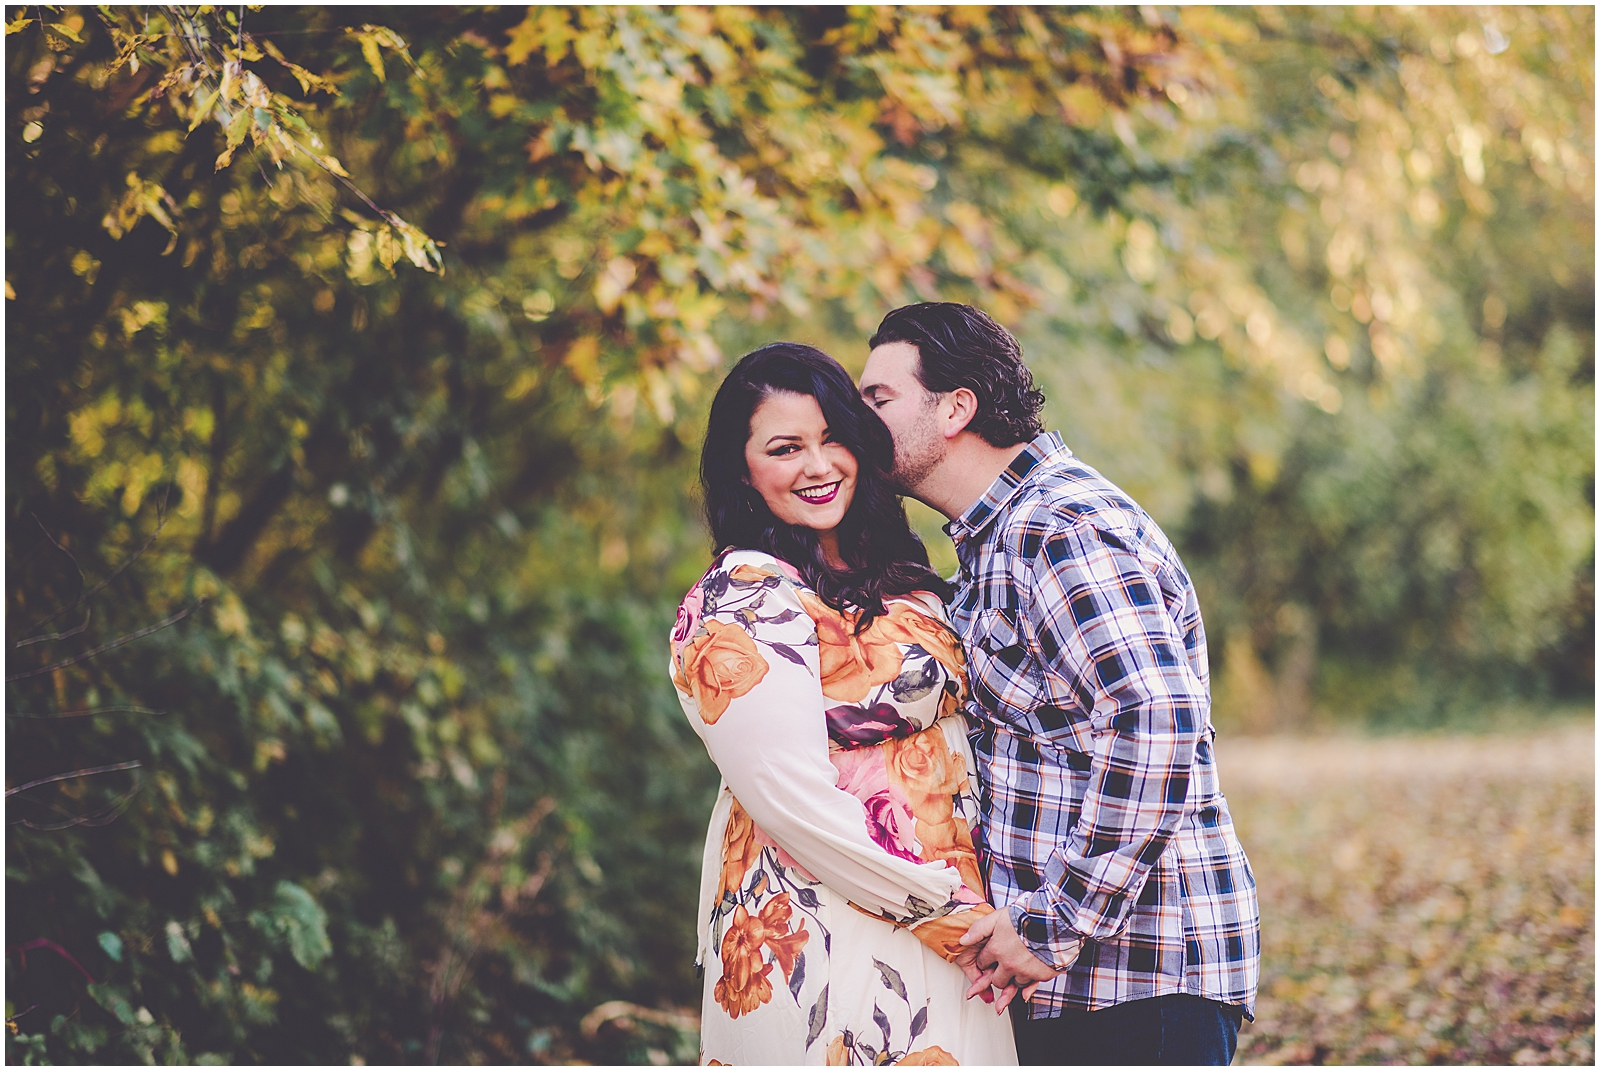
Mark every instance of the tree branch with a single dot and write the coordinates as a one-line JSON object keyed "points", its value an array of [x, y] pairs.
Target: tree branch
{"points": [[56, 635], [85, 712], [74, 773], [59, 547], [129, 638], [161, 522], [44, 942], [99, 817]]}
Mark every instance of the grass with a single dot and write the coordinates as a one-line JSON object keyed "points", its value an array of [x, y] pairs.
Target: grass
{"points": [[1424, 899]]}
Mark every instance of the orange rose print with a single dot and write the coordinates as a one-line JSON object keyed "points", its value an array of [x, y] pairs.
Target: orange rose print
{"points": [[905, 625], [932, 1056], [741, 847], [839, 1054], [943, 934], [930, 774], [743, 986], [721, 666], [961, 854], [749, 574], [851, 665]]}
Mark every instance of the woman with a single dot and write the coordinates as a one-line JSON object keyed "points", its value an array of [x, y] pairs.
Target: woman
{"points": [[815, 662]]}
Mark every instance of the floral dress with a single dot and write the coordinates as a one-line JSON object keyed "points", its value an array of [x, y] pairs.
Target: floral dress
{"points": [[840, 872]]}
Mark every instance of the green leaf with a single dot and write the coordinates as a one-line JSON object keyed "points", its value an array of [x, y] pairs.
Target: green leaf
{"points": [[112, 999], [202, 111], [303, 922], [238, 127], [177, 944], [112, 945]]}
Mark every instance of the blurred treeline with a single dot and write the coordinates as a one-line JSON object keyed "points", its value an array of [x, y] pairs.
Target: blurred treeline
{"points": [[374, 347]]}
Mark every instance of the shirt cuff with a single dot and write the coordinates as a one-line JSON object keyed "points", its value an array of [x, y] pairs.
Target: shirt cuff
{"points": [[1046, 936]]}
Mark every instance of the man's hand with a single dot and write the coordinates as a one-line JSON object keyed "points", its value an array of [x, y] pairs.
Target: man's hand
{"points": [[967, 960], [1003, 961]]}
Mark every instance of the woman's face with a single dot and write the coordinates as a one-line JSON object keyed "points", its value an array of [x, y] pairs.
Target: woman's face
{"points": [[805, 477]]}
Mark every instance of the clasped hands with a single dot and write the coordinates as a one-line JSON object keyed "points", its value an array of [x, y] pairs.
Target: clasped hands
{"points": [[995, 958]]}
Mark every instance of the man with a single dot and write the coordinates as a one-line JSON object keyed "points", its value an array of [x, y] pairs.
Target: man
{"points": [[1132, 930]]}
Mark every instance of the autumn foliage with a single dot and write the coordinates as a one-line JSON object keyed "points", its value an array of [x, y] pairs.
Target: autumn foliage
{"points": [[356, 374]]}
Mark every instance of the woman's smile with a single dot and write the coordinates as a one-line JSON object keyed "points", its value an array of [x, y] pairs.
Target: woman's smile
{"points": [[821, 494]]}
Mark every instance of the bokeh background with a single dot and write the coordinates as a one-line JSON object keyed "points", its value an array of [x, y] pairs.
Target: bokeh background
{"points": [[357, 363]]}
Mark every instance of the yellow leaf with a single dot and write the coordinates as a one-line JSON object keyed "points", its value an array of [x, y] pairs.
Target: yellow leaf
{"points": [[333, 164], [204, 109], [1062, 199], [556, 29], [307, 80], [526, 380], [369, 49], [1082, 105], [583, 359], [387, 248], [524, 38], [614, 282], [17, 26]]}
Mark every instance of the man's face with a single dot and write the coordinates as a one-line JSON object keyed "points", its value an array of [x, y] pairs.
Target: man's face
{"points": [[890, 386]]}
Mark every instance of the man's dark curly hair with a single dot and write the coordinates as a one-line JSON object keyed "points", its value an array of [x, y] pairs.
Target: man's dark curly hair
{"points": [[961, 347]]}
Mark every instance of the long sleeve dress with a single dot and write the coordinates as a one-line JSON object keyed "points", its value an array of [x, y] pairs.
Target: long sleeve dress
{"points": [[840, 871]]}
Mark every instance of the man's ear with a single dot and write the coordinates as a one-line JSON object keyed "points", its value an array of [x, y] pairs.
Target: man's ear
{"points": [[961, 406]]}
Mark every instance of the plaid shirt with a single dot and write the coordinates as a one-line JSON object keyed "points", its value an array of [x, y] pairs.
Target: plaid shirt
{"points": [[1105, 827]]}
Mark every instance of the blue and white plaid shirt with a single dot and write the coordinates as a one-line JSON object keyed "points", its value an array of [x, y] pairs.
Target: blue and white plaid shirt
{"points": [[1105, 828]]}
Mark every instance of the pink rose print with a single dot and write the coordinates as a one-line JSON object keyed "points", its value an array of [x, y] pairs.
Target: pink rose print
{"points": [[688, 614], [890, 822]]}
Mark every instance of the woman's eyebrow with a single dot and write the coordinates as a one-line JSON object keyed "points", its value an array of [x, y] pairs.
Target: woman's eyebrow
{"points": [[776, 438]]}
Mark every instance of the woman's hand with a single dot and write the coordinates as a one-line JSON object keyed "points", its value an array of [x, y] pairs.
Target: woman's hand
{"points": [[967, 960], [1001, 960]]}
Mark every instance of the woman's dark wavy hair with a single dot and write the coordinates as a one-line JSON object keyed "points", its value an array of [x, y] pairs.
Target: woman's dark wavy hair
{"points": [[959, 346], [882, 555]]}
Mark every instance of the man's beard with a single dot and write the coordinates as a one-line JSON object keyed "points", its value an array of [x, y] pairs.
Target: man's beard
{"points": [[917, 452]]}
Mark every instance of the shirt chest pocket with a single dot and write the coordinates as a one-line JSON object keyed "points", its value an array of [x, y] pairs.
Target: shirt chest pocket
{"points": [[1005, 673]]}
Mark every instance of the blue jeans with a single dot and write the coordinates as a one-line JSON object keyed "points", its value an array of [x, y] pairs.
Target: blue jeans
{"points": [[1173, 1030]]}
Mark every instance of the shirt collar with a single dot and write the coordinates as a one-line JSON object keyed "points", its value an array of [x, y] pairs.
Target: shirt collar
{"points": [[1044, 449]]}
